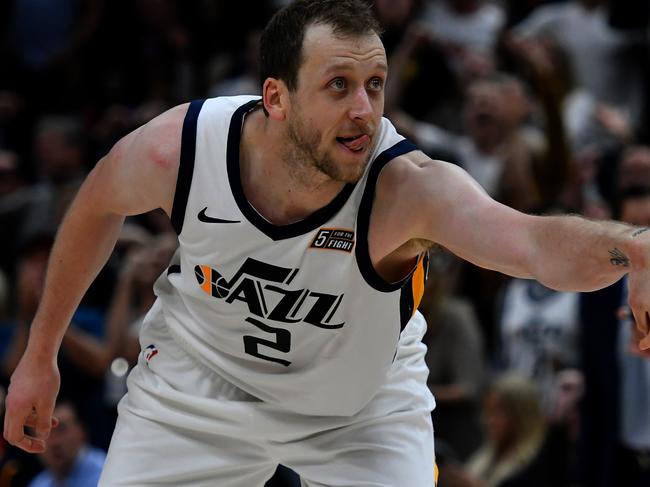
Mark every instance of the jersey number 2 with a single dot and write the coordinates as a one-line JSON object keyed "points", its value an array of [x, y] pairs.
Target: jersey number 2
{"points": [[282, 342]]}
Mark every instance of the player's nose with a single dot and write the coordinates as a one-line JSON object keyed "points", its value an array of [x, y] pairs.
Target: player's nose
{"points": [[361, 108]]}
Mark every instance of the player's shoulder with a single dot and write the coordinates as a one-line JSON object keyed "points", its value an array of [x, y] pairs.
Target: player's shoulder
{"points": [[158, 141], [408, 174]]}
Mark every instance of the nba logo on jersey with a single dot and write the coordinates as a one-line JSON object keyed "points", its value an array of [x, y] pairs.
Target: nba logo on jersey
{"points": [[334, 239], [150, 352]]}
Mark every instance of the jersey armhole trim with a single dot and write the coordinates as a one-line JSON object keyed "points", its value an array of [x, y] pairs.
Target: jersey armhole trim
{"points": [[186, 166], [363, 221]]}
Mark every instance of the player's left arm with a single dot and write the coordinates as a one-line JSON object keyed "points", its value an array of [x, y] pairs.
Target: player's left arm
{"points": [[567, 253]]}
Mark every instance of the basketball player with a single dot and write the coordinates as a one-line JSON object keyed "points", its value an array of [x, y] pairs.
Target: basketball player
{"points": [[284, 330]]}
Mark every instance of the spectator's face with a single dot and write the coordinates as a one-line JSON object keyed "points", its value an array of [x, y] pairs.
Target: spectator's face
{"points": [[636, 211], [336, 109], [485, 113], [65, 442], [495, 420]]}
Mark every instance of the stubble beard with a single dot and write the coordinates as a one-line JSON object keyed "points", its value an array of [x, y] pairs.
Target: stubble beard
{"points": [[304, 157]]}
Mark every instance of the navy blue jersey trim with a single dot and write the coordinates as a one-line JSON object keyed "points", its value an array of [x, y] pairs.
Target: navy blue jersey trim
{"points": [[363, 221], [275, 232], [186, 167], [174, 269], [406, 302]]}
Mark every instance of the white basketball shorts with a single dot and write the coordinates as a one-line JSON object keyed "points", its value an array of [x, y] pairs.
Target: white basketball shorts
{"points": [[180, 424]]}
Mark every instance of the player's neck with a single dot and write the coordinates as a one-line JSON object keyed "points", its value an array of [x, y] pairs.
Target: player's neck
{"points": [[278, 191]]}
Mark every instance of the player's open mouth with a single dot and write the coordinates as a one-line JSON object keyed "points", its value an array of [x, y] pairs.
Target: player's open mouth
{"points": [[355, 143]]}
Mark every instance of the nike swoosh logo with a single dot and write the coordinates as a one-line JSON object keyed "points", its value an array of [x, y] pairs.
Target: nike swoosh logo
{"points": [[208, 219]]}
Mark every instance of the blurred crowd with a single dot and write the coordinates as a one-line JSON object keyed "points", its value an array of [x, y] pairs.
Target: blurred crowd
{"points": [[545, 103]]}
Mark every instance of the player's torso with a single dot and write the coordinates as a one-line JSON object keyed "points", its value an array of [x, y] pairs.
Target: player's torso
{"points": [[294, 314]]}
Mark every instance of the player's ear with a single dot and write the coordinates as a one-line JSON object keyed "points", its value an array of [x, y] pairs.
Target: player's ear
{"points": [[275, 98]]}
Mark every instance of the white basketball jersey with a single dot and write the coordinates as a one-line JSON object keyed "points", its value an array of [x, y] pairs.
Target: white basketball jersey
{"points": [[539, 331], [294, 315]]}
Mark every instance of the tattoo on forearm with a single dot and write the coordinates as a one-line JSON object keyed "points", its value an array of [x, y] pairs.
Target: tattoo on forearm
{"points": [[619, 258], [639, 232]]}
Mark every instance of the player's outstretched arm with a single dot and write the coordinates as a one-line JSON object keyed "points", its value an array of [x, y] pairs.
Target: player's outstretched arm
{"points": [[566, 253], [138, 175]]}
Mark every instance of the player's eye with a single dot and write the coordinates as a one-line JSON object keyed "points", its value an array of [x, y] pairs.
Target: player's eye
{"points": [[376, 84], [338, 84]]}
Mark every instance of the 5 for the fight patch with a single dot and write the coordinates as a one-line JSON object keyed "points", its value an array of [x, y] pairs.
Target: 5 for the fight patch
{"points": [[333, 239]]}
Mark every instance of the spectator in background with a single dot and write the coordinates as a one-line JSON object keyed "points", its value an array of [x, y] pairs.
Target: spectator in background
{"points": [[539, 334], [395, 17], [32, 256], [421, 81], [69, 460], [581, 132], [493, 151], [539, 330], [145, 257], [605, 61], [514, 454], [78, 383], [59, 152], [113, 354], [12, 200], [467, 30]]}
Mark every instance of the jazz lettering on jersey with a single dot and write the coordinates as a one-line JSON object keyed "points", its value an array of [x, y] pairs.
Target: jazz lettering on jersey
{"points": [[333, 239], [265, 290]]}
